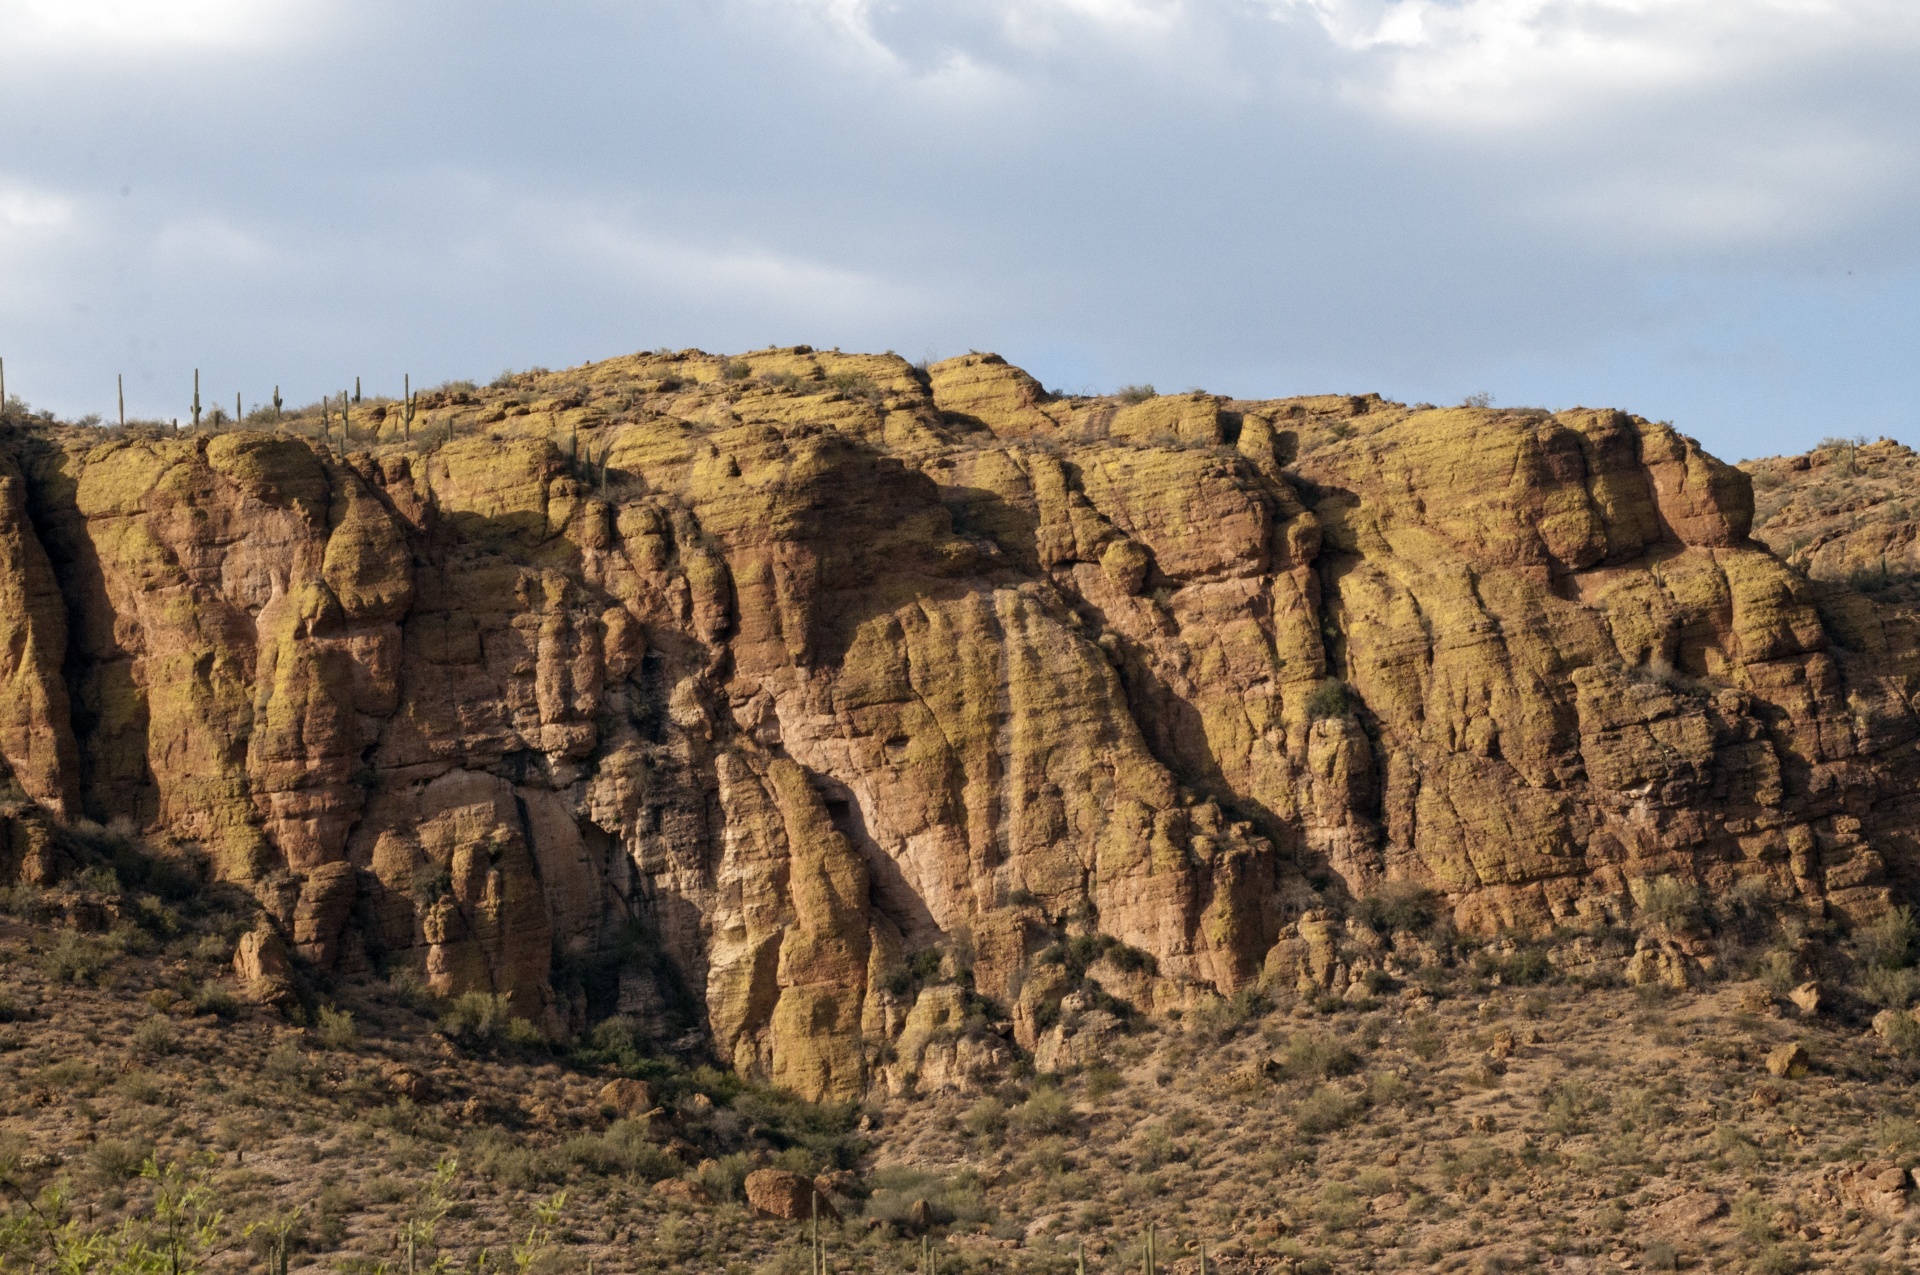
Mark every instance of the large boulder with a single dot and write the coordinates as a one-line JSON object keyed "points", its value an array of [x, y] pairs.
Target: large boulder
{"points": [[779, 1194]]}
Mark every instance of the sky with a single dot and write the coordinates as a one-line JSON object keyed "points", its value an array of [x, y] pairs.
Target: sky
{"points": [[1702, 211]]}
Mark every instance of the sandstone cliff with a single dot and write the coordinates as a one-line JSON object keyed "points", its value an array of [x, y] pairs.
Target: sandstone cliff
{"points": [[822, 672]]}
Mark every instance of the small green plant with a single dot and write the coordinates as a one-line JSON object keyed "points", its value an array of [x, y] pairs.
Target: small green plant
{"points": [[735, 370], [1889, 942], [155, 1037], [1670, 902], [1329, 699], [1135, 394], [336, 1029]]}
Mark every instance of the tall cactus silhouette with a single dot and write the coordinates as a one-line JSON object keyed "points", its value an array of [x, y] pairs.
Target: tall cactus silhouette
{"points": [[196, 398]]}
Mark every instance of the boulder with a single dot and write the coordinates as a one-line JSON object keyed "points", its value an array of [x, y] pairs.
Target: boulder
{"points": [[1789, 1060], [406, 1082], [627, 1098], [261, 964], [1684, 1214], [778, 1194], [1879, 1187], [683, 1192], [1806, 997]]}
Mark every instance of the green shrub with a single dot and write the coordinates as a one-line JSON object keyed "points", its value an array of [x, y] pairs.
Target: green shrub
{"points": [[1890, 988], [1668, 901], [1132, 394], [1045, 1111], [1315, 1057], [77, 958], [986, 1118], [336, 1029], [624, 1149], [211, 998], [154, 1037], [482, 1019], [112, 1160], [1399, 905], [1329, 699], [1325, 1110], [1889, 942]]}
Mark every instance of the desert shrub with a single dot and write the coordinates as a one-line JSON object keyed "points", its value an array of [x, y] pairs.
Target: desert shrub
{"points": [[949, 1200], [1668, 901], [286, 1064], [211, 998], [1317, 1057], [726, 1178], [854, 385], [1399, 905], [1778, 971], [154, 1037], [1888, 943], [1903, 1035], [986, 1118], [1889, 988], [1101, 1080], [113, 1160], [734, 370], [1570, 1105], [336, 1028], [625, 1150], [1325, 1110], [496, 1156], [1132, 394], [1046, 1111], [1329, 699], [480, 1019], [826, 1129], [1424, 1038], [77, 958]]}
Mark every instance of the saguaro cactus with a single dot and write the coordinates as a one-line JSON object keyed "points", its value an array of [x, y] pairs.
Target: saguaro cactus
{"points": [[238, 415], [120, 383], [196, 398], [276, 404]]}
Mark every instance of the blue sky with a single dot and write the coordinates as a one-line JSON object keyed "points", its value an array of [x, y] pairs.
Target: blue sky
{"points": [[1706, 211]]}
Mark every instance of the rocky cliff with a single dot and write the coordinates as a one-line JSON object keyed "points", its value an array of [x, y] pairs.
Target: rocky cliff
{"points": [[809, 676]]}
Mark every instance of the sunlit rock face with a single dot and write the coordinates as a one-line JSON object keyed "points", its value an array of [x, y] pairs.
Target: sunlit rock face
{"points": [[738, 696]]}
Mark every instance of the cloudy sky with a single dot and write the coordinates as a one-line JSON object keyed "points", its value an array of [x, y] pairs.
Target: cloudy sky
{"points": [[1706, 211]]}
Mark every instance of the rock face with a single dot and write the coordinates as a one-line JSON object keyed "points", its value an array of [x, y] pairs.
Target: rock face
{"points": [[824, 681]]}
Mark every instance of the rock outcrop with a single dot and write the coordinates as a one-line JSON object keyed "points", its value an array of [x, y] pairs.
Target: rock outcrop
{"points": [[842, 691]]}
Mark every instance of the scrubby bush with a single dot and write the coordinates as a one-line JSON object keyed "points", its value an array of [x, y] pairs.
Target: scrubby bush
{"points": [[482, 1019], [1329, 699], [1316, 1057], [1045, 1111], [1668, 901], [336, 1029], [1399, 905], [1325, 1110], [1889, 942], [154, 1037], [1132, 394]]}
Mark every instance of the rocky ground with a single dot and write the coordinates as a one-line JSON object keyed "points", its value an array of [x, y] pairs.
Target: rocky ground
{"points": [[1448, 1120]]}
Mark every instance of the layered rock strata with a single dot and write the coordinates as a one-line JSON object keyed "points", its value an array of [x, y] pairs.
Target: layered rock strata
{"points": [[836, 684]]}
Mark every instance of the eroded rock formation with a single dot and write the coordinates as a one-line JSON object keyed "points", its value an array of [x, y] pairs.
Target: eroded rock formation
{"points": [[807, 673]]}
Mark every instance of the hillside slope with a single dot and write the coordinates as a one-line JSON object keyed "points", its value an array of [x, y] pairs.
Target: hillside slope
{"points": [[803, 705]]}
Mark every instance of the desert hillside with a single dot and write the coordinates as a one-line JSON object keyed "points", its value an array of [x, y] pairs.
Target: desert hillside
{"points": [[1048, 814]]}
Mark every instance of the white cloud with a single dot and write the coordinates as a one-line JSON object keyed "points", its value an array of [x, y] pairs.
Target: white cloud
{"points": [[1521, 62], [148, 27], [27, 210]]}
